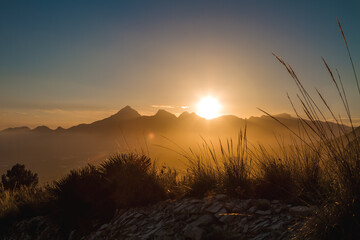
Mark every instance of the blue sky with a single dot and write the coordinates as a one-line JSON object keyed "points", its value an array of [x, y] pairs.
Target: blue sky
{"points": [[67, 62]]}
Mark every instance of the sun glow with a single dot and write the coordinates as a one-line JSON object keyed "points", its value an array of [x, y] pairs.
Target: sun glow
{"points": [[208, 107]]}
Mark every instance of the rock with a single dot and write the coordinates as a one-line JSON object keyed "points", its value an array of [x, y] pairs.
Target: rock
{"points": [[215, 217], [103, 227], [301, 211], [252, 210], [246, 204], [243, 221], [194, 233], [214, 208], [263, 204], [263, 213], [180, 208], [221, 211], [194, 201], [279, 225], [246, 228], [221, 197], [72, 235], [203, 220], [228, 217]]}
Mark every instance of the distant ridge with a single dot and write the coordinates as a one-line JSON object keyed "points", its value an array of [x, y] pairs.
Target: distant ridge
{"points": [[164, 114], [187, 115], [17, 129], [126, 113], [129, 119], [42, 129]]}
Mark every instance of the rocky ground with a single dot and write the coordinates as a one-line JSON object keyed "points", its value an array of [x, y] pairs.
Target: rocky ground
{"points": [[216, 217]]}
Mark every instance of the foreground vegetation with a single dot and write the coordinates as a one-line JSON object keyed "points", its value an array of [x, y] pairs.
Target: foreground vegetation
{"points": [[320, 168], [86, 198]]}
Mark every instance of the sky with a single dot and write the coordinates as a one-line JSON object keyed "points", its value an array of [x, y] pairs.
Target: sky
{"points": [[68, 62]]}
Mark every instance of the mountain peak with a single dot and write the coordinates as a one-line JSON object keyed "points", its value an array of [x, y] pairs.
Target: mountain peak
{"points": [[42, 129], [127, 113], [164, 114], [186, 114]]}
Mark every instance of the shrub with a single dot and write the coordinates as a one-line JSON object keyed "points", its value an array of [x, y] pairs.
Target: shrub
{"points": [[132, 180], [81, 199], [22, 203], [17, 177], [88, 197]]}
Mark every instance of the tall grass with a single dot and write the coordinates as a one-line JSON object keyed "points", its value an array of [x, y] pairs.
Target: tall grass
{"points": [[339, 216], [24, 202], [225, 167], [291, 173]]}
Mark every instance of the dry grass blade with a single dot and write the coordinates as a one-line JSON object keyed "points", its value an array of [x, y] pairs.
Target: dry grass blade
{"points": [[348, 50]]}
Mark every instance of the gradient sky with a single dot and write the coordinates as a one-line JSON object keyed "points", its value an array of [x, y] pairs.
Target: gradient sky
{"points": [[68, 62]]}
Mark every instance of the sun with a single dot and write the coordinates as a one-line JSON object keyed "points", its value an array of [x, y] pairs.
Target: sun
{"points": [[208, 107]]}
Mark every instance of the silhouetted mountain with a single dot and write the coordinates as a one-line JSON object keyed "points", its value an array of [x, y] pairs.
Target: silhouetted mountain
{"points": [[111, 123], [59, 129], [16, 130], [283, 115], [164, 115], [42, 129], [186, 115], [125, 113], [52, 153]]}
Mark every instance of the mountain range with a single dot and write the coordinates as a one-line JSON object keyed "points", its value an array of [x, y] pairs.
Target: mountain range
{"points": [[52, 153]]}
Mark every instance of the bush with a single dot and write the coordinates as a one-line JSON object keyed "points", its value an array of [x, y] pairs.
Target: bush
{"points": [[132, 180], [81, 199], [17, 177], [89, 197], [22, 203]]}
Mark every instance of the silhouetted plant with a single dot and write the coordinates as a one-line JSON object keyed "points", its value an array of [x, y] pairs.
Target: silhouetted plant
{"points": [[276, 180], [226, 169], [339, 214], [237, 163], [89, 196], [18, 204], [17, 177], [81, 199], [132, 179]]}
